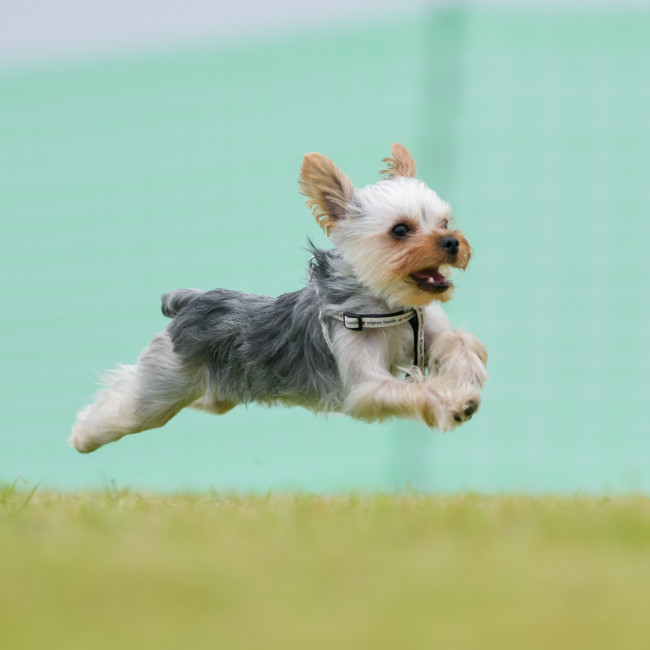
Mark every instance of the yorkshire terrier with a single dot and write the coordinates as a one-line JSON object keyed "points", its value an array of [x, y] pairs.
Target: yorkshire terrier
{"points": [[366, 336]]}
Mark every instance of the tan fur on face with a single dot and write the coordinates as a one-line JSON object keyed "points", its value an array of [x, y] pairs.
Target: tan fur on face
{"points": [[386, 264], [423, 251], [327, 189], [401, 163]]}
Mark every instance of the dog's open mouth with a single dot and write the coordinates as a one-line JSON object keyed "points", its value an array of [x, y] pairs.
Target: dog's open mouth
{"points": [[434, 280]]}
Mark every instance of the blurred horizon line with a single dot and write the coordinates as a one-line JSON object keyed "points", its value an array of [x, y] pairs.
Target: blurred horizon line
{"points": [[67, 33]]}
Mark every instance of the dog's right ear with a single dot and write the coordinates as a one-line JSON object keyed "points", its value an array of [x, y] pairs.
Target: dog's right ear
{"points": [[401, 163], [327, 188]]}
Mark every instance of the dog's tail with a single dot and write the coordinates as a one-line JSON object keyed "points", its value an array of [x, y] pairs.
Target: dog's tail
{"points": [[174, 301]]}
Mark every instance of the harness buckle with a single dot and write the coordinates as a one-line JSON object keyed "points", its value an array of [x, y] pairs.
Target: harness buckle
{"points": [[353, 322]]}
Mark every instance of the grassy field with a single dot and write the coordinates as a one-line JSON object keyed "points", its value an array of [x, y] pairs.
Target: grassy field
{"points": [[120, 570]]}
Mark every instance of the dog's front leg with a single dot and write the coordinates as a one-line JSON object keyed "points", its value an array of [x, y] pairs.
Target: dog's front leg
{"points": [[453, 354], [373, 393]]}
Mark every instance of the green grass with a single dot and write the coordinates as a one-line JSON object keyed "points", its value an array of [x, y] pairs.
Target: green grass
{"points": [[121, 570]]}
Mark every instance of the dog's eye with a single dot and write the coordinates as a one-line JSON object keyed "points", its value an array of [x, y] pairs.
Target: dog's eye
{"points": [[444, 224], [400, 231]]}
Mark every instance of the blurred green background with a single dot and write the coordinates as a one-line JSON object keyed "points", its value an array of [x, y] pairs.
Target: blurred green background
{"points": [[128, 175]]}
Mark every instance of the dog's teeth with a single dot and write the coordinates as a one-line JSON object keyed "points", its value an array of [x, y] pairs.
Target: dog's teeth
{"points": [[445, 269], [430, 280]]}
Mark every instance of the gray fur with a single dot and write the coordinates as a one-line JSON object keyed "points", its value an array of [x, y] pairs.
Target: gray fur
{"points": [[338, 287], [260, 349], [174, 301], [224, 348]]}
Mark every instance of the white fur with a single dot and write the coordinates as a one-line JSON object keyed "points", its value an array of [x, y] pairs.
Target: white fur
{"points": [[369, 365], [378, 380], [112, 415], [372, 210], [120, 409]]}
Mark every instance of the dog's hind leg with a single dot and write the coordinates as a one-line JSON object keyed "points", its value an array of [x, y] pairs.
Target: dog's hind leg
{"points": [[139, 397]]}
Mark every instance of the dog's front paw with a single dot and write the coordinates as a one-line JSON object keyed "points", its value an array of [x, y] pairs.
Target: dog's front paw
{"points": [[459, 356], [450, 405], [466, 411]]}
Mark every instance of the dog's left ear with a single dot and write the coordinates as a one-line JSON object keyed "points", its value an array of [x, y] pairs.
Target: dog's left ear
{"points": [[401, 163], [327, 188]]}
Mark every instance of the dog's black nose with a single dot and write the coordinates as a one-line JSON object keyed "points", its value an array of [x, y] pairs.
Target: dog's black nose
{"points": [[450, 244]]}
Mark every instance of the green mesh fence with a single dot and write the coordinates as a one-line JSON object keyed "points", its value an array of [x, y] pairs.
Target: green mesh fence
{"points": [[122, 179]]}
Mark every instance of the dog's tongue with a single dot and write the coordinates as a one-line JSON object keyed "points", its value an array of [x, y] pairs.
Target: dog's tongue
{"points": [[432, 276]]}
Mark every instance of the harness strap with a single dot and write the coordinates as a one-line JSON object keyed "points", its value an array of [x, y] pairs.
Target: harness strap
{"points": [[359, 322]]}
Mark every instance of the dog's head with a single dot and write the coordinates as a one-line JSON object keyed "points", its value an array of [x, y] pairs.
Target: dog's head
{"points": [[397, 234]]}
